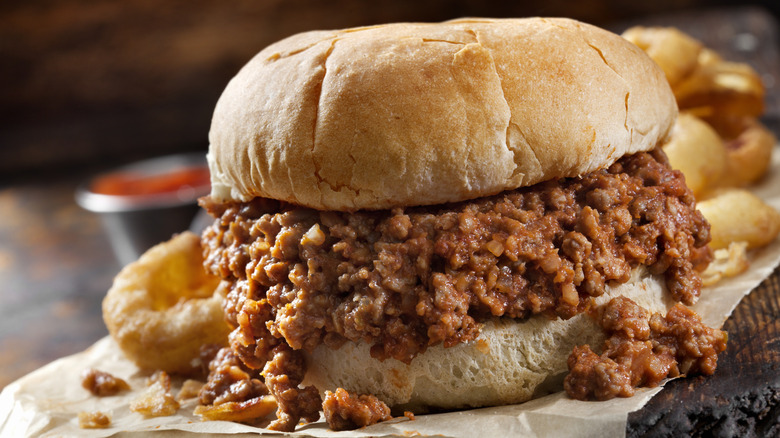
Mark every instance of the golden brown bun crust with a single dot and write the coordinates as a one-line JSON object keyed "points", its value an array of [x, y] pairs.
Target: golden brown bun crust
{"points": [[413, 114]]}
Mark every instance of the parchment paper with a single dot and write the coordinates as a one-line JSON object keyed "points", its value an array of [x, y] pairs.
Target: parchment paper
{"points": [[46, 402]]}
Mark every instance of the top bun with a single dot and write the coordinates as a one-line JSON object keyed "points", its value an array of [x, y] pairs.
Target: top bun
{"points": [[418, 114]]}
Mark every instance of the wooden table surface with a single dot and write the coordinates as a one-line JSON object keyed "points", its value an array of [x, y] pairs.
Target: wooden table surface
{"points": [[56, 264]]}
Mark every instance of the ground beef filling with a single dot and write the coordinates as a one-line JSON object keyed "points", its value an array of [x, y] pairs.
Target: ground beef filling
{"points": [[642, 350], [345, 411], [405, 279], [231, 381]]}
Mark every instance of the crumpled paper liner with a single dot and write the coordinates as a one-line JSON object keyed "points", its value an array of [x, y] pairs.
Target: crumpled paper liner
{"points": [[46, 402]]}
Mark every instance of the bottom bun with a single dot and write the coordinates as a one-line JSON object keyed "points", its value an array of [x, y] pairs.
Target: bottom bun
{"points": [[510, 362]]}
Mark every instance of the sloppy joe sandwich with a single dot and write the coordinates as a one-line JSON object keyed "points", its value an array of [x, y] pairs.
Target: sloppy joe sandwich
{"points": [[437, 216]]}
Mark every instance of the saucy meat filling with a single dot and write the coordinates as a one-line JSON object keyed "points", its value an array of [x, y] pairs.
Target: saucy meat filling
{"points": [[345, 411], [231, 381], [405, 279], [642, 350]]}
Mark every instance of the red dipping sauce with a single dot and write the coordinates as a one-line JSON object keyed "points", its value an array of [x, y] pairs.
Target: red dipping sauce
{"points": [[129, 183], [146, 202]]}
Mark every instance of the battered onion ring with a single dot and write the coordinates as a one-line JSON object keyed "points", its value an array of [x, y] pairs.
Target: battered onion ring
{"points": [[675, 52], [719, 87], [697, 150], [737, 215], [701, 80], [749, 146], [719, 152], [163, 307]]}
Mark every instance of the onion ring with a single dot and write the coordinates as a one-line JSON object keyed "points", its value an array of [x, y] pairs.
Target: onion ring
{"points": [[719, 87], [749, 145], [701, 80], [162, 308], [737, 215], [675, 52], [696, 149]]}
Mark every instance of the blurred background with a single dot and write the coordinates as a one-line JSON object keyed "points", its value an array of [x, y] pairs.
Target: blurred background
{"points": [[87, 85], [86, 81]]}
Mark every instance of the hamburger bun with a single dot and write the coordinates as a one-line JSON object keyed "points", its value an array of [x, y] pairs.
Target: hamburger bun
{"points": [[336, 120], [397, 303]]}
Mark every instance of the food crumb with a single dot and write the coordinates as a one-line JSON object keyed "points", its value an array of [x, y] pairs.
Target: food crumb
{"points": [[483, 346], [238, 411], [156, 401], [162, 377], [409, 415], [345, 411], [94, 420], [101, 383], [189, 389]]}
